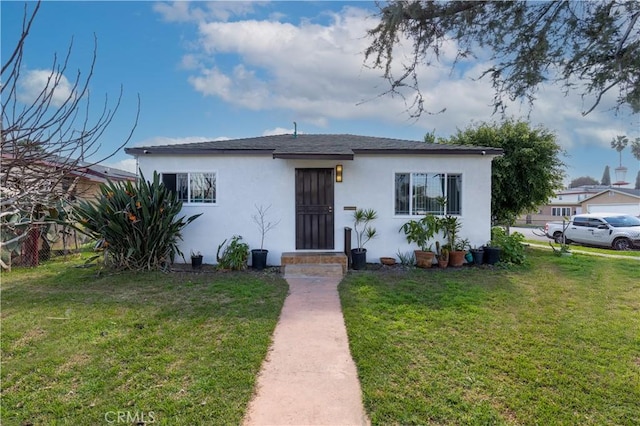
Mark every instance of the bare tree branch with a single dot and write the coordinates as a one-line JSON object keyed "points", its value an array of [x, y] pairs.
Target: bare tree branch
{"points": [[592, 47], [48, 141]]}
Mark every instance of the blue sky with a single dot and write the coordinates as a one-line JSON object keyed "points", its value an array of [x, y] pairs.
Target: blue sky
{"points": [[214, 70]]}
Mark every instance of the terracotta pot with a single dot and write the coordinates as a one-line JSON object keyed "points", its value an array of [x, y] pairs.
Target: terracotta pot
{"points": [[424, 259], [443, 263], [456, 258], [389, 261]]}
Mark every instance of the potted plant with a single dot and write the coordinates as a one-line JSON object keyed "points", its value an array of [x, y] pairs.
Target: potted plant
{"points": [[451, 226], [364, 232], [420, 232], [442, 253], [196, 259], [478, 255], [493, 248], [459, 252], [259, 256], [234, 255]]}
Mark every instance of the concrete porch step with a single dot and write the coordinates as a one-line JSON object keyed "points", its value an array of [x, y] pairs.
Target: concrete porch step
{"points": [[325, 264], [298, 270]]}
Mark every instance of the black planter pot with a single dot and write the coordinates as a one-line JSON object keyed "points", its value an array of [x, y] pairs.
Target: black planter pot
{"points": [[492, 255], [259, 259], [478, 256], [196, 262], [359, 258]]}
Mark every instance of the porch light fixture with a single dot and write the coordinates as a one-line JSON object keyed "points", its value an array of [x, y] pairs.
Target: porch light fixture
{"points": [[339, 173]]}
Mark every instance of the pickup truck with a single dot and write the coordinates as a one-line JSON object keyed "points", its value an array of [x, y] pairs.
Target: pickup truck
{"points": [[619, 231]]}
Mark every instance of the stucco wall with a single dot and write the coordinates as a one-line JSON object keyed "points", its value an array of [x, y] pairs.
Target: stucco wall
{"points": [[246, 181]]}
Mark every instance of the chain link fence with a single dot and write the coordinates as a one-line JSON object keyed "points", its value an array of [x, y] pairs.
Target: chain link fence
{"points": [[41, 243]]}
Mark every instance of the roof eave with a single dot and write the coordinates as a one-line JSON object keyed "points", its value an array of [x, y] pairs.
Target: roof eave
{"points": [[489, 152], [203, 151], [604, 191], [310, 156], [301, 155]]}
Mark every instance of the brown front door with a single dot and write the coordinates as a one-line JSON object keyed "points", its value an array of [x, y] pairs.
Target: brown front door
{"points": [[314, 209]]}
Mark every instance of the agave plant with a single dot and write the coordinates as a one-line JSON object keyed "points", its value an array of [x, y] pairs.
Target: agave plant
{"points": [[137, 224]]}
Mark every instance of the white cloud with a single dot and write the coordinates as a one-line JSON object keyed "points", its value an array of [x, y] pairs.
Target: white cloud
{"points": [[178, 11], [601, 135], [34, 83], [212, 82], [316, 71], [224, 10], [128, 165], [241, 87], [184, 11], [277, 131], [189, 62]]}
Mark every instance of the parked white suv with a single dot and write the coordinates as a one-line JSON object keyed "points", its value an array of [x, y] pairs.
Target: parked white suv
{"points": [[616, 230]]}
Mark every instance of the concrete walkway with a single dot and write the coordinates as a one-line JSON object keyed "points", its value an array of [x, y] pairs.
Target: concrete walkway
{"points": [[309, 377]]}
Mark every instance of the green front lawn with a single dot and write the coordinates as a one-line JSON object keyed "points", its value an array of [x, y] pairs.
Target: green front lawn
{"points": [[178, 349], [578, 248], [557, 342]]}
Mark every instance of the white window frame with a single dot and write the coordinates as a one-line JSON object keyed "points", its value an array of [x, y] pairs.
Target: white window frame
{"points": [[412, 211], [564, 211], [189, 200]]}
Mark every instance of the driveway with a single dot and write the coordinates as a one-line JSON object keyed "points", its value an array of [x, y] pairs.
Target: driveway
{"points": [[530, 235]]}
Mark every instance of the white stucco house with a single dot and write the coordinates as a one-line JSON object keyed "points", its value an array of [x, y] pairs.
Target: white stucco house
{"points": [[313, 183]]}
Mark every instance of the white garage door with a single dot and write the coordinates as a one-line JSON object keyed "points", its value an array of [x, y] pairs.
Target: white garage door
{"points": [[632, 209]]}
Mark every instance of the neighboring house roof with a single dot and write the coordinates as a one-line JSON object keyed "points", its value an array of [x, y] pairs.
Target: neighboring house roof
{"points": [[313, 147], [100, 173], [635, 193], [585, 189], [629, 191], [90, 171]]}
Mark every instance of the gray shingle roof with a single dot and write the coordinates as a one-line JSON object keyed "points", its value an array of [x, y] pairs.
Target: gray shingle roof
{"points": [[628, 191], [312, 146]]}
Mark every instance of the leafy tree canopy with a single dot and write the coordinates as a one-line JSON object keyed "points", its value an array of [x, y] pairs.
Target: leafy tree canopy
{"points": [[583, 181], [635, 148], [619, 143], [591, 46], [526, 175], [606, 177]]}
